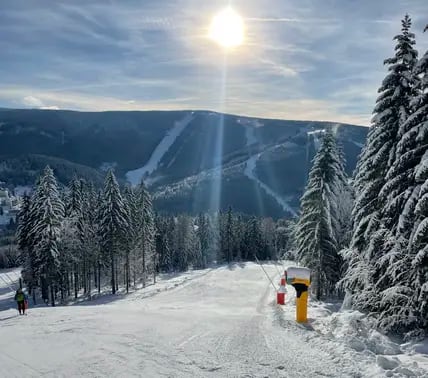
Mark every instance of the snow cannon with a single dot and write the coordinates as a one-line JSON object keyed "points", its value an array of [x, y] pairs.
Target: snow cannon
{"points": [[300, 279]]}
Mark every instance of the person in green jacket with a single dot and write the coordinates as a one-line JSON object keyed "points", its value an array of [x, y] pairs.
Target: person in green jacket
{"points": [[20, 299]]}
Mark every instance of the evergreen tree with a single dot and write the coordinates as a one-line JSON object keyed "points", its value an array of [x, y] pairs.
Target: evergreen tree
{"points": [[26, 245], [130, 197], [227, 236], [163, 249], [316, 236], [49, 211], [391, 111], [113, 223], [370, 222], [147, 232], [71, 231], [253, 240], [404, 296], [203, 234]]}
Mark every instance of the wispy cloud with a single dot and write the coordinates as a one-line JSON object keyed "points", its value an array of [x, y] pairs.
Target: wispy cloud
{"points": [[302, 59]]}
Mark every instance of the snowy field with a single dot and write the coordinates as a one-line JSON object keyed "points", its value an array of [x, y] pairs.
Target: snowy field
{"points": [[212, 323]]}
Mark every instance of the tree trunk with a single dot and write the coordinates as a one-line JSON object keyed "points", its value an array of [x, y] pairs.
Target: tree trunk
{"points": [[89, 284], [99, 277], [117, 275], [85, 274], [95, 275], [76, 282], [318, 292], [127, 275], [113, 282], [144, 264], [52, 295], [45, 290]]}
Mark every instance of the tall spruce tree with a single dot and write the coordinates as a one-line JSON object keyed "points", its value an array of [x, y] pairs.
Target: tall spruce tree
{"points": [[370, 236], [26, 245], [147, 232], [391, 112], [49, 212], [316, 236], [113, 223], [203, 234], [409, 265]]}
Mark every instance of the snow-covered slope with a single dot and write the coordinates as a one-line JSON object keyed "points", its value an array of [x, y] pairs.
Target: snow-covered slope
{"points": [[220, 322], [135, 176], [250, 173]]}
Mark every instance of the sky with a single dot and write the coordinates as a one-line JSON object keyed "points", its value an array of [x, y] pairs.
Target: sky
{"points": [[301, 59]]}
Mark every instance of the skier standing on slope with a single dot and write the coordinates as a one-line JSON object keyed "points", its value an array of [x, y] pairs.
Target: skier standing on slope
{"points": [[20, 299]]}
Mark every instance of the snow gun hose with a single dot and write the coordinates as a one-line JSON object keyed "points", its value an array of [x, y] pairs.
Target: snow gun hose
{"points": [[261, 266]]}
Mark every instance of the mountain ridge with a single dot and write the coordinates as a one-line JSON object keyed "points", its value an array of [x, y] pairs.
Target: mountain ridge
{"points": [[213, 160]]}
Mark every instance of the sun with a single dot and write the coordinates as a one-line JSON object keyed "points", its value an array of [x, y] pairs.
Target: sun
{"points": [[227, 28]]}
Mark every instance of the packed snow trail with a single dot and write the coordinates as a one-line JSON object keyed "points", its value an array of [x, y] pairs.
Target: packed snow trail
{"points": [[135, 176], [223, 323]]}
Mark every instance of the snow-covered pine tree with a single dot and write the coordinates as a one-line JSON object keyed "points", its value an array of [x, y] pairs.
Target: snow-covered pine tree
{"points": [[391, 111], [204, 240], [315, 234], [227, 240], [147, 232], [418, 246], [267, 227], [413, 221], [113, 223], [182, 242], [73, 243], [238, 231], [49, 211], [163, 249], [195, 255], [253, 243], [26, 245], [130, 198]]}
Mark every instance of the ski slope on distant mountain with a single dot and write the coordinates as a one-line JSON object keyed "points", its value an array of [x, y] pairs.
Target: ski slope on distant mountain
{"points": [[250, 136], [249, 171], [316, 135], [135, 176], [218, 322]]}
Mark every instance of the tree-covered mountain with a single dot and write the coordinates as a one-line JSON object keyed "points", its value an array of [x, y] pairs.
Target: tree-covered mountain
{"points": [[191, 161]]}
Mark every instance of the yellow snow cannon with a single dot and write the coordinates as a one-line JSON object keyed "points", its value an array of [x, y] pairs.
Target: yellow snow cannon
{"points": [[300, 279]]}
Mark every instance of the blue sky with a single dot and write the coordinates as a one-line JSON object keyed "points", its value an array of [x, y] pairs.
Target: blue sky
{"points": [[302, 59]]}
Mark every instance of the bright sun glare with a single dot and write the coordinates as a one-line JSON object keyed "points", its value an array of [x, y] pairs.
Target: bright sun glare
{"points": [[227, 28]]}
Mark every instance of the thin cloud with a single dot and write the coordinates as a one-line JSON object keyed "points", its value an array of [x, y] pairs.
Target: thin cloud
{"points": [[302, 59]]}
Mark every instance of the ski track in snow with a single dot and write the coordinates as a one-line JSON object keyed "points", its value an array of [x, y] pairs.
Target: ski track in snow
{"points": [[8, 284], [250, 136], [135, 176], [249, 171], [218, 322], [315, 134]]}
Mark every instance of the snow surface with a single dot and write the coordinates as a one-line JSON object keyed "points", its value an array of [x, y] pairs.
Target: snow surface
{"points": [[316, 135], [8, 285], [219, 322], [250, 136], [249, 171], [135, 176]]}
